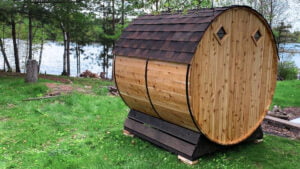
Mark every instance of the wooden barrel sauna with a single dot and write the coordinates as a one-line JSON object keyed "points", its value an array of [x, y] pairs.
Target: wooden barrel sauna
{"points": [[209, 70]]}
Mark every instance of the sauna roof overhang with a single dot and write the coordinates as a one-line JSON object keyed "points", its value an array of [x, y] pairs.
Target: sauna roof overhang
{"points": [[171, 37]]}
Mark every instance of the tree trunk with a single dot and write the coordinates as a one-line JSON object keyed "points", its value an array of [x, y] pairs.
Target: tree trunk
{"points": [[16, 53], [64, 72], [104, 56], [79, 63], [271, 14], [41, 51], [65, 56], [123, 15], [278, 41], [4, 55], [30, 36], [107, 63], [77, 49], [200, 2], [27, 46], [113, 16], [68, 54], [31, 71]]}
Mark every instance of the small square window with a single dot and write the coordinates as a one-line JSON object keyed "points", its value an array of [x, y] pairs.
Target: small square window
{"points": [[257, 35], [221, 33]]}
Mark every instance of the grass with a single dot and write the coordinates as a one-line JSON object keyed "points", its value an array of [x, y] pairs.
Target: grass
{"points": [[85, 131], [287, 94]]}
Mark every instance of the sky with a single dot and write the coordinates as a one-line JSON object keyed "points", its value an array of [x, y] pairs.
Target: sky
{"points": [[293, 14]]}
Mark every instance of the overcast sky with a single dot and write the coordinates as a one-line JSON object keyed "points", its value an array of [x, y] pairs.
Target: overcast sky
{"points": [[293, 14]]}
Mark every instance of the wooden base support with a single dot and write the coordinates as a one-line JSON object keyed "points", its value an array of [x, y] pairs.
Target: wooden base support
{"points": [[187, 144], [187, 161], [256, 141], [127, 133]]}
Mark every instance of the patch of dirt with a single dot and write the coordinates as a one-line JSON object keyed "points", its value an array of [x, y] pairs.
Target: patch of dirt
{"points": [[11, 105], [289, 113], [293, 112], [4, 119], [56, 79], [67, 87], [57, 89], [6, 74], [279, 131]]}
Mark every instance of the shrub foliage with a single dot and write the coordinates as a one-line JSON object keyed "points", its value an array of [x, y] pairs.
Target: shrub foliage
{"points": [[287, 70]]}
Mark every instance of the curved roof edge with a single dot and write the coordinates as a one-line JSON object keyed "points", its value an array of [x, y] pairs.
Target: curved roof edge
{"points": [[171, 37]]}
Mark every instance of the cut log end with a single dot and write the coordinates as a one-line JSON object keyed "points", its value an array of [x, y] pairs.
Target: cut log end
{"points": [[31, 71], [187, 161], [256, 141]]}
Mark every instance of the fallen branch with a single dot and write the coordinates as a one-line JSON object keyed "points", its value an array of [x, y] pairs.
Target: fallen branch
{"points": [[40, 98]]}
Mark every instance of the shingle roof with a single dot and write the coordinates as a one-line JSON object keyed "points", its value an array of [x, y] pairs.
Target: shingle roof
{"points": [[166, 37]]}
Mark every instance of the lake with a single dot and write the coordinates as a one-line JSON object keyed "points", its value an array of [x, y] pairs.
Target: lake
{"points": [[292, 52], [52, 61]]}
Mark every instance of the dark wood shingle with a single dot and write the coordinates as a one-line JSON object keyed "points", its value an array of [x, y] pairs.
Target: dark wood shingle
{"points": [[166, 37]]}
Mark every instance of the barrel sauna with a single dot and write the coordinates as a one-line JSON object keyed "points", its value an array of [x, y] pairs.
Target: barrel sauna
{"points": [[209, 70]]}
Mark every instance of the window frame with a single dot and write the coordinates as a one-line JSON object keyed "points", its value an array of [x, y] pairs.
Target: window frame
{"points": [[253, 36], [220, 41]]}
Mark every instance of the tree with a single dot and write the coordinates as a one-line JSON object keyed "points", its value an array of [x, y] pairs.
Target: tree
{"points": [[63, 17], [14, 37], [282, 35], [35, 13], [81, 31], [185, 5], [29, 12], [9, 10], [2, 48], [123, 13], [41, 49], [272, 10], [4, 54]]}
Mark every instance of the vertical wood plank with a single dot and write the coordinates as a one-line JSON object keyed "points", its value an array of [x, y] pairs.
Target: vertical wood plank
{"points": [[233, 80]]}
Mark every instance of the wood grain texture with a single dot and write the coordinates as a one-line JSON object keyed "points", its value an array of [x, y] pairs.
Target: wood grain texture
{"points": [[130, 78], [232, 83], [167, 90]]}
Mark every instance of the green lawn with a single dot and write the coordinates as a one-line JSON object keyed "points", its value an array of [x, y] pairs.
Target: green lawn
{"points": [[85, 131], [287, 94]]}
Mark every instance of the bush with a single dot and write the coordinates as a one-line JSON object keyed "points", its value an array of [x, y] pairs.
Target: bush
{"points": [[287, 70]]}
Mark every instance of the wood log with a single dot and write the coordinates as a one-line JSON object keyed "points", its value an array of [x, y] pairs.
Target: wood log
{"points": [[32, 71], [40, 98], [285, 117]]}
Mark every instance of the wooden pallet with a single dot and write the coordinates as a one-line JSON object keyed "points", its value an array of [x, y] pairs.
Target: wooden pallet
{"points": [[187, 144]]}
